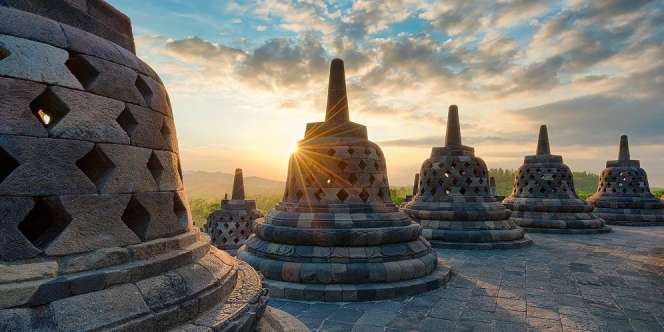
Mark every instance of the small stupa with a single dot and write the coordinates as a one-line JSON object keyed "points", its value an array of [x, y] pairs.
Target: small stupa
{"points": [[96, 232], [623, 196], [544, 199], [454, 202], [337, 235], [231, 224]]}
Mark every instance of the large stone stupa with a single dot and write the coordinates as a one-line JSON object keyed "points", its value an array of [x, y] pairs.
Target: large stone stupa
{"points": [[544, 199], [454, 202], [95, 228], [231, 224], [337, 235], [623, 196]]}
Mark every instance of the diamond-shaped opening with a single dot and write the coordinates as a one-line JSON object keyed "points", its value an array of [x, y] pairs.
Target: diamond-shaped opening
{"points": [[44, 223], [4, 53], [372, 179], [469, 181], [382, 194], [224, 240], [299, 194], [362, 164], [351, 150], [180, 210], [236, 240], [48, 108], [82, 70], [155, 167], [352, 178], [137, 218], [7, 164], [342, 195], [331, 152], [462, 190], [144, 89], [127, 121], [364, 195], [376, 165], [319, 194], [342, 165], [367, 151], [96, 165]]}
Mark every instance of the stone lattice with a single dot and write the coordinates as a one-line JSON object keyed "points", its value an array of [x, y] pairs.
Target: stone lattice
{"points": [[95, 228], [623, 196], [454, 202], [337, 236], [232, 223], [544, 199]]}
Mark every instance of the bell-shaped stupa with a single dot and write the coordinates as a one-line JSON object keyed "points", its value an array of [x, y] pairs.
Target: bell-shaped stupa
{"points": [[95, 228], [544, 200], [231, 224], [623, 196], [454, 202], [337, 235]]}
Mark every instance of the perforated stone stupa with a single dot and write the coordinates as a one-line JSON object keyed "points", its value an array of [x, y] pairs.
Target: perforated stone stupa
{"points": [[454, 202], [231, 224], [544, 199], [337, 235], [623, 196], [95, 228]]}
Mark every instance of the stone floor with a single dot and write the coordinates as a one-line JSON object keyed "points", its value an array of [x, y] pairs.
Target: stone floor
{"points": [[604, 282]]}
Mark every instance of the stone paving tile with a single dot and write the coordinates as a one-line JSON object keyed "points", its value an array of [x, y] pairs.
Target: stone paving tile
{"points": [[608, 282]]}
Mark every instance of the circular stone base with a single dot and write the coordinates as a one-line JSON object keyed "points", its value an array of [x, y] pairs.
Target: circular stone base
{"points": [[482, 245], [275, 320], [358, 292], [635, 223], [568, 230]]}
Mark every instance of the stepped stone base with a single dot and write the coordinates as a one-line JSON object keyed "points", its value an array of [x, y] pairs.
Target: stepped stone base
{"points": [[275, 320], [604, 229], [358, 292], [632, 217], [156, 285], [523, 242]]}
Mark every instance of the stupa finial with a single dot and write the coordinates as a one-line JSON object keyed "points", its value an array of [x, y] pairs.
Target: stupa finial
{"points": [[543, 142], [624, 149], [337, 101], [238, 185], [416, 184], [453, 134]]}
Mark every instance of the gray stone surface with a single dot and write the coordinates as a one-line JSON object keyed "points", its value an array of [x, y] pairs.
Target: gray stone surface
{"points": [[89, 117], [43, 164], [27, 25], [129, 172], [148, 128], [162, 220], [15, 115], [79, 313], [95, 223], [109, 79], [36, 61], [563, 283]]}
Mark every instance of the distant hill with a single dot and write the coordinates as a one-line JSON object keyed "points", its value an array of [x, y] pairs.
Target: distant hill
{"points": [[208, 185]]}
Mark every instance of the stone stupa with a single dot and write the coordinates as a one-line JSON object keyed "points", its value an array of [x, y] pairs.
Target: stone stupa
{"points": [[337, 235], [544, 199], [95, 228], [231, 224], [454, 202], [623, 196]]}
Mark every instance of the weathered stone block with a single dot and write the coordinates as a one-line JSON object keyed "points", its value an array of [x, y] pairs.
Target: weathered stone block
{"points": [[107, 78], [88, 43], [82, 312], [129, 172], [26, 25], [16, 118], [157, 217], [43, 164], [155, 96], [89, 117], [96, 222], [163, 290], [35, 61], [13, 243]]}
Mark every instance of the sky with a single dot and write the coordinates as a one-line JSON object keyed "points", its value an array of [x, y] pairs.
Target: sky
{"points": [[245, 77]]}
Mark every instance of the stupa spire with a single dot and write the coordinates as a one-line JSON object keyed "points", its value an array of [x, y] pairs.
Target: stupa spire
{"points": [[337, 101], [453, 134], [238, 185], [543, 142], [623, 155]]}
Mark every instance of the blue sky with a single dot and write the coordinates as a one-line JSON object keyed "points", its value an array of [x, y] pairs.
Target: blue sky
{"points": [[245, 76]]}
